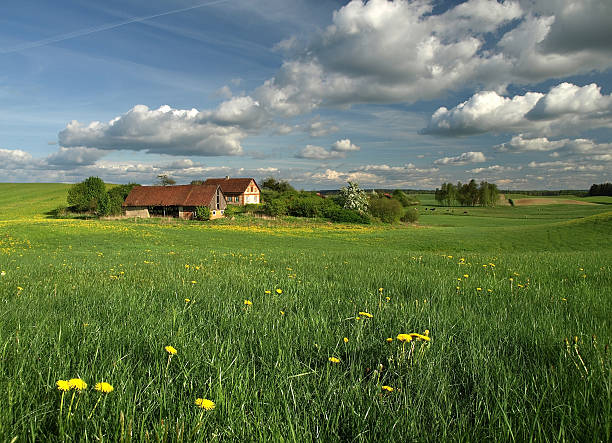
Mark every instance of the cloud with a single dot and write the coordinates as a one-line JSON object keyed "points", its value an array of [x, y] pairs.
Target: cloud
{"points": [[78, 156], [318, 128], [494, 168], [14, 158], [519, 143], [168, 131], [383, 51], [565, 108], [338, 150], [465, 158]]}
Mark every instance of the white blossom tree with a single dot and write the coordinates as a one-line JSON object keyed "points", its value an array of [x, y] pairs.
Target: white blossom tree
{"points": [[354, 198]]}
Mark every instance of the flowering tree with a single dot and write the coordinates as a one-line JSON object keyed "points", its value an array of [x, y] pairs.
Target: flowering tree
{"points": [[353, 197]]}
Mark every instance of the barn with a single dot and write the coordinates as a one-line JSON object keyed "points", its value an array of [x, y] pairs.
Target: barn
{"points": [[237, 191], [174, 201]]}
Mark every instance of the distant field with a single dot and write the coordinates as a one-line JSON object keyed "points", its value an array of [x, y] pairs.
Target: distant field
{"points": [[498, 290]]}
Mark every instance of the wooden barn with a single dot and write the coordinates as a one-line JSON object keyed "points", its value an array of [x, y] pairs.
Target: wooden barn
{"points": [[237, 191], [174, 201]]}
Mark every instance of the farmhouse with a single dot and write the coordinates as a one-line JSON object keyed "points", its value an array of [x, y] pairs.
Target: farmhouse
{"points": [[238, 191], [175, 201]]}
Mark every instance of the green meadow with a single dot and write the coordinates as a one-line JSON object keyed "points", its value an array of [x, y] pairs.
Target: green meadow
{"points": [[512, 304]]}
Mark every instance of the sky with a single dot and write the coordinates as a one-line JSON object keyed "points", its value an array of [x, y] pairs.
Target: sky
{"points": [[390, 94]]}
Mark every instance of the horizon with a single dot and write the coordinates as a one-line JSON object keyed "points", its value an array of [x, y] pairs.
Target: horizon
{"points": [[390, 94]]}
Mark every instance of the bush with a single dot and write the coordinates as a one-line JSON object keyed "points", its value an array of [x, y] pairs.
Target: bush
{"points": [[387, 210], [306, 206], [85, 196], [59, 212], [252, 207], [202, 213], [275, 208], [232, 210], [405, 199], [411, 215], [341, 215]]}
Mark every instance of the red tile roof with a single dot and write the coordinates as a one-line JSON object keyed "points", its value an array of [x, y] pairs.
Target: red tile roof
{"points": [[182, 195], [231, 185]]}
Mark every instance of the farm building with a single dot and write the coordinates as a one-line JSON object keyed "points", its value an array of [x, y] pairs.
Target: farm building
{"points": [[237, 191], [174, 201]]}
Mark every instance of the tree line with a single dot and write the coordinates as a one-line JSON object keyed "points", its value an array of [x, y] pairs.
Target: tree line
{"points": [[467, 194], [602, 189]]}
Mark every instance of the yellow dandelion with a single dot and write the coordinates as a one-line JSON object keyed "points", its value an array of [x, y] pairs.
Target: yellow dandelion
{"points": [[170, 350], [345, 339], [366, 314], [420, 336], [389, 340], [282, 312], [489, 290], [19, 288], [479, 289], [63, 385], [426, 332], [77, 383], [193, 282], [404, 337], [187, 300], [380, 289], [388, 298], [104, 387], [334, 359], [248, 302], [268, 291], [465, 275], [279, 291], [387, 388], [203, 403]]}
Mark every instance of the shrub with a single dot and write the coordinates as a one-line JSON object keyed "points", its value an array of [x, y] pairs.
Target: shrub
{"points": [[405, 199], [252, 207], [411, 215], [85, 196], [341, 215], [306, 206], [231, 210], [275, 208], [59, 212], [387, 210], [202, 213], [353, 197]]}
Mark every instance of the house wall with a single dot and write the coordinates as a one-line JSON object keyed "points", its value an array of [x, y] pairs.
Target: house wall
{"points": [[137, 211], [251, 195]]}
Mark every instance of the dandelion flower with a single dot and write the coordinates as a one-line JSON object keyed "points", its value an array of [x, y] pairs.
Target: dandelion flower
{"points": [[248, 302], [420, 336], [279, 291], [268, 291], [77, 383], [203, 403], [19, 288], [380, 289], [366, 314], [193, 282], [404, 337], [388, 298], [479, 289], [63, 385], [389, 340], [282, 312], [170, 350], [104, 387], [187, 300], [345, 339], [465, 275], [334, 359], [387, 388]]}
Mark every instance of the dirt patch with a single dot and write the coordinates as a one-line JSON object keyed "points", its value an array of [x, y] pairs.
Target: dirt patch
{"points": [[549, 201]]}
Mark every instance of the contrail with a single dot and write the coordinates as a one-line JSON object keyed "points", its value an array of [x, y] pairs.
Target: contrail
{"points": [[88, 31]]}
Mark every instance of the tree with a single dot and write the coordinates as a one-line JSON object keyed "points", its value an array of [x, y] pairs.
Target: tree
{"points": [[197, 182], [387, 210], [279, 186], [354, 198], [86, 196], [164, 180], [404, 199]]}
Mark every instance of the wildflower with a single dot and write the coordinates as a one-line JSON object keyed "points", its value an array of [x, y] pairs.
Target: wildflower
{"points": [[63, 385], [248, 302], [104, 387], [404, 337], [426, 333], [268, 292], [389, 340], [387, 388], [465, 275], [170, 350], [388, 298], [479, 289], [77, 383], [19, 288], [334, 360], [3, 273], [458, 288], [203, 403], [366, 314], [193, 282], [187, 300], [489, 290], [380, 289], [345, 339], [279, 291], [282, 312]]}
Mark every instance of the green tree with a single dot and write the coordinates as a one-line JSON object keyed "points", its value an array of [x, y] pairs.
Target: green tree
{"points": [[387, 210], [86, 196]]}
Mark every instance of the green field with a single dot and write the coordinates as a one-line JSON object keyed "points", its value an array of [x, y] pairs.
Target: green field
{"points": [[498, 289]]}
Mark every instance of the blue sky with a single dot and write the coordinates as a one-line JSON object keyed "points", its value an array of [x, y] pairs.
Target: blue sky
{"points": [[386, 93]]}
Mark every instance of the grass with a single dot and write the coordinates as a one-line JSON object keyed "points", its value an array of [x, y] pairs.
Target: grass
{"points": [[101, 300]]}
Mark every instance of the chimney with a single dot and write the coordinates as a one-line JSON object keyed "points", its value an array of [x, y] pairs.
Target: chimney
{"points": [[227, 177]]}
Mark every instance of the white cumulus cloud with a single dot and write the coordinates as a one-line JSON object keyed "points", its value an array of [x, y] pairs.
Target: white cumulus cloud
{"points": [[463, 159], [338, 150]]}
